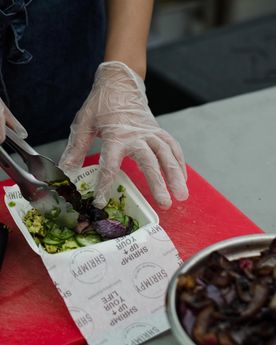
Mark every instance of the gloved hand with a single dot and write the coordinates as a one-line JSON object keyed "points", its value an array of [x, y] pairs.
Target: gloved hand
{"points": [[116, 110], [6, 118]]}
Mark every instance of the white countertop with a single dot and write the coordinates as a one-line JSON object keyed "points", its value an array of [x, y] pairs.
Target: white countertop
{"points": [[232, 144]]}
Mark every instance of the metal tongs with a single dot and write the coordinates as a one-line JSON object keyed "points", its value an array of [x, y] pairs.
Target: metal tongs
{"points": [[37, 185]]}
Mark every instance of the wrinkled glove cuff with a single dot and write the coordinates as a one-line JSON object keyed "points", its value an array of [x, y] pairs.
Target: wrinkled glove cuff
{"points": [[123, 67]]}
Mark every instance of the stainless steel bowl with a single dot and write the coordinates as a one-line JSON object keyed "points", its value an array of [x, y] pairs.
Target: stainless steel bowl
{"points": [[234, 248]]}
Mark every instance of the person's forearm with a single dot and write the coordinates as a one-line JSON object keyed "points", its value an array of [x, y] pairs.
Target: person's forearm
{"points": [[127, 32]]}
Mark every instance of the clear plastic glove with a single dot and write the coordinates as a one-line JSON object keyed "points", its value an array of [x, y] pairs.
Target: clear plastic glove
{"points": [[117, 111], [6, 118]]}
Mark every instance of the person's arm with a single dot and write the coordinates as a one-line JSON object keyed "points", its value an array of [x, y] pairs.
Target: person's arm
{"points": [[128, 23], [117, 111]]}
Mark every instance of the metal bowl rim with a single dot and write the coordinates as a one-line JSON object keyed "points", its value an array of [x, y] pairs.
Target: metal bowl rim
{"points": [[176, 327]]}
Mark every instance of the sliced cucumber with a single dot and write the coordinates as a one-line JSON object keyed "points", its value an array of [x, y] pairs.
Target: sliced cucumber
{"points": [[61, 234], [52, 241], [87, 239]]}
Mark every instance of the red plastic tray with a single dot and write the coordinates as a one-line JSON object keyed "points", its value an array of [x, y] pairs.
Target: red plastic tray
{"points": [[32, 311]]}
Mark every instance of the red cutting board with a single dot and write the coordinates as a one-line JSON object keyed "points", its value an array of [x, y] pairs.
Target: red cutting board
{"points": [[31, 310]]}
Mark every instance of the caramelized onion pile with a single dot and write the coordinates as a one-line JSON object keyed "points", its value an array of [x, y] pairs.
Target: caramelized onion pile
{"points": [[230, 302]]}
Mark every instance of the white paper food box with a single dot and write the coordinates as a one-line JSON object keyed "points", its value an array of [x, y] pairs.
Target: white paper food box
{"points": [[136, 205], [114, 290]]}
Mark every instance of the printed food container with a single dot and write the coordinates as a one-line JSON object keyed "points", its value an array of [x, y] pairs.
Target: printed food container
{"points": [[136, 205], [234, 248], [113, 289]]}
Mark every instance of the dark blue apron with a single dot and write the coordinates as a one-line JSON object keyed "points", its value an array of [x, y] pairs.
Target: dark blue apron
{"points": [[48, 66]]}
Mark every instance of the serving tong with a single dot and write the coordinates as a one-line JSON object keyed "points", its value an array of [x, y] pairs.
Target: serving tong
{"points": [[37, 185]]}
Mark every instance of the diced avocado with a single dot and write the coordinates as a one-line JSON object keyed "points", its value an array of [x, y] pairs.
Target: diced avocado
{"points": [[34, 221]]}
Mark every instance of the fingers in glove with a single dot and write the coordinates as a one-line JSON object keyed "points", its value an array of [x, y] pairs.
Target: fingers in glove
{"points": [[6, 117], [16, 126], [171, 168], [79, 143], [148, 163], [176, 150], [112, 154]]}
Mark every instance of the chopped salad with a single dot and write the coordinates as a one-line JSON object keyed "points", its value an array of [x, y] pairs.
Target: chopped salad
{"points": [[94, 225]]}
